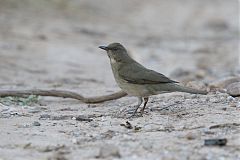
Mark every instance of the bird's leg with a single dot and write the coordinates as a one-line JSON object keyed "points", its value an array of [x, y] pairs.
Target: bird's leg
{"points": [[144, 106], [138, 105], [140, 100]]}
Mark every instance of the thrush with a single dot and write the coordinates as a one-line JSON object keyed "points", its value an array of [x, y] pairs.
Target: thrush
{"points": [[136, 80]]}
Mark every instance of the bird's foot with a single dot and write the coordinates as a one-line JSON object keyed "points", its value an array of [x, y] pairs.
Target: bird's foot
{"points": [[142, 112], [138, 114], [130, 110], [134, 112], [135, 115]]}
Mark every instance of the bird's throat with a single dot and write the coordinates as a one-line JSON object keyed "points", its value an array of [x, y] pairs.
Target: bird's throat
{"points": [[112, 60]]}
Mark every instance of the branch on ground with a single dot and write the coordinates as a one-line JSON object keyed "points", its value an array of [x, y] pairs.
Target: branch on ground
{"points": [[63, 94]]}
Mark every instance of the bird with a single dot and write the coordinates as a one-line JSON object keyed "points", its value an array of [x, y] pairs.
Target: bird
{"points": [[139, 81]]}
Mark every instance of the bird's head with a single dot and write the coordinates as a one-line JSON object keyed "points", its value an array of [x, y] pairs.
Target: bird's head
{"points": [[116, 52]]}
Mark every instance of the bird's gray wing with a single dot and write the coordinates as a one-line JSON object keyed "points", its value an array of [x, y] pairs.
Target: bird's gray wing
{"points": [[138, 74]]}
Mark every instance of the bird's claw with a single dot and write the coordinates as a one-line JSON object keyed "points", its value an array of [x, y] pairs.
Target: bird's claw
{"points": [[135, 116]]}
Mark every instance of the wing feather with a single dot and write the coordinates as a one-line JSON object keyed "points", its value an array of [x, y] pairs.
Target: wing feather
{"points": [[138, 74]]}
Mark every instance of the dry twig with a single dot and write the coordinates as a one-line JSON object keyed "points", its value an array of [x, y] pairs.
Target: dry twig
{"points": [[63, 94]]}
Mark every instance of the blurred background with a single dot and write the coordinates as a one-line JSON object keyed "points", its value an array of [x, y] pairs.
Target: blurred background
{"points": [[54, 43]]}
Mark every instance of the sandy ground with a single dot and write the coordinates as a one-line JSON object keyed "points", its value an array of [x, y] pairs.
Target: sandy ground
{"points": [[54, 44]]}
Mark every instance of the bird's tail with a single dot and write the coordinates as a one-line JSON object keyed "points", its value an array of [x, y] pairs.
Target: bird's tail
{"points": [[173, 87], [180, 88]]}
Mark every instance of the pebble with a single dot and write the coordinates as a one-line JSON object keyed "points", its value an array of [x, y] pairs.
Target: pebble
{"points": [[230, 99], [207, 131], [42, 37], [201, 73], [238, 105], [51, 148], [94, 124], [36, 123], [24, 126], [34, 110], [9, 110], [207, 99], [147, 145], [73, 118], [234, 89], [215, 142], [224, 108], [108, 150], [45, 116], [74, 141], [191, 136], [83, 118], [217, 25], [107, 135], [215, 100], [224, 82], [233, 105], [61, 117]]}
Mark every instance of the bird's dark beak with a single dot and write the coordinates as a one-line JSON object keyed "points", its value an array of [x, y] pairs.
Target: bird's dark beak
{"points": [[104, 48]]}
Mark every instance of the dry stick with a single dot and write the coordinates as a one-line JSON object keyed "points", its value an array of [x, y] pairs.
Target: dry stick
{"points": [[61, 93]]}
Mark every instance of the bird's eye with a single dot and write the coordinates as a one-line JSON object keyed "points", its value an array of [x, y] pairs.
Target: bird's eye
{"points": [[114, 49]]}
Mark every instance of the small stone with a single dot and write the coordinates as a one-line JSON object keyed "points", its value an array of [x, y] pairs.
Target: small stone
{"points": [[201, 74], [147, 145], [207, 131], [24, 126], [58, 156], [224, 125], [74, 141], [233, 105], [26, 146], [215, 142], [215, 100], [234, 89], [223, 83], [42, 37], [92, 105], [193, 96], [224, 108], [94, 124], [108, 150], [230, 99], [238, 105], [73, 118], [36, 123], [51, 148], [137, 128], [108, 134], [127, 125], [207, 99], [34, 110], [20, 47], [61, 117], [83, 118], [217, 25], [191, 136], [45, 116]]}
